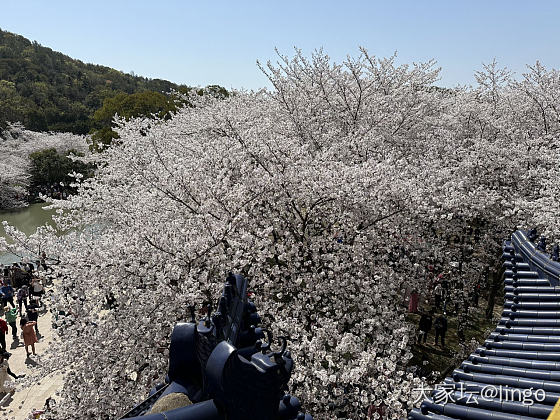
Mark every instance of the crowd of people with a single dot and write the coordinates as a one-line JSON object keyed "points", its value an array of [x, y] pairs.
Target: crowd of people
{"points": [[437, 307], [21, 291]]}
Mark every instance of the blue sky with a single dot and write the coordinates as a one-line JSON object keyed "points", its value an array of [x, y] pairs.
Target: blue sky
{"points": [[218, 42]]}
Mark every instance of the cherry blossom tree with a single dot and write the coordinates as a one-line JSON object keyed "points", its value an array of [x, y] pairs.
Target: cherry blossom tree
{"points": [[316, 191], [538, 122], [16, 144], [296, 188]]}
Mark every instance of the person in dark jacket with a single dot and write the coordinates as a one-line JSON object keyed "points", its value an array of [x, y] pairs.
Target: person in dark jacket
{"points": [[33, 313], [440, 326], [424, 326], [476, 294]]}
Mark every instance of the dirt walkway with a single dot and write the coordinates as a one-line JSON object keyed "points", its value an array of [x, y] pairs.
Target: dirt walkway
{"points": [[23, 402]]}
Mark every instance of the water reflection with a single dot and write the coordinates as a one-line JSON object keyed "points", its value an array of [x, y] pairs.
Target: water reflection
{"points": [[27, 220]]}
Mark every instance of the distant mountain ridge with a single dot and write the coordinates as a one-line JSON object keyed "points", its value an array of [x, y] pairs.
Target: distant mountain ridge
{"points": [[49, 91]]}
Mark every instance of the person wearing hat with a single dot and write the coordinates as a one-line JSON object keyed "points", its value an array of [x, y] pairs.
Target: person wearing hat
{"points": [[11, 318]]}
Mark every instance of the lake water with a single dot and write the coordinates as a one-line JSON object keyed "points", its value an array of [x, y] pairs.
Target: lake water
{"points": [[27, 220]]}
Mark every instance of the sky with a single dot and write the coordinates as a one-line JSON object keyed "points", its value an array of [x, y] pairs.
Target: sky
{"points": [[199, 43]]}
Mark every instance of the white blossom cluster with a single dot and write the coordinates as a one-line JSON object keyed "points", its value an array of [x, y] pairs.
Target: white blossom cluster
{"points": [[16, 144], [331, 193]]}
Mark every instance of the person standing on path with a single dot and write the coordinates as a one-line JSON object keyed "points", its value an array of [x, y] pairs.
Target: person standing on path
{"points": [[29, 337], [3, 332], [7, 295], [424, 326], [22, 296], [36, 288], [438, 294], [11, 318], [43, 262], [476, 294], [441, 328], [33, 312], [4, 372]]}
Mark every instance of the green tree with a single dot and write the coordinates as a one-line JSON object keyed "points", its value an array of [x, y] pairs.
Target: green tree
{"points": [[49, 167], [47, 90], [125, 105], [12, 105], [134, 105]]}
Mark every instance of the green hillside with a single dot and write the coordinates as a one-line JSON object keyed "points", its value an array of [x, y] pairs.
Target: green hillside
{"points": [[47, 90]]}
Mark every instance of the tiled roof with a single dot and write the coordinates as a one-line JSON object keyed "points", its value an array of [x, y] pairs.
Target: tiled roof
{"points": [[515, 374]]}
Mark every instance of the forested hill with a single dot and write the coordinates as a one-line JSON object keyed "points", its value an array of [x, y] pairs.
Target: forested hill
{"points": [[47, 90]]}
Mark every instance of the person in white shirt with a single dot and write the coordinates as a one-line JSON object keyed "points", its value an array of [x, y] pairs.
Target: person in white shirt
{"points": [[4, 372], [37, 288]]}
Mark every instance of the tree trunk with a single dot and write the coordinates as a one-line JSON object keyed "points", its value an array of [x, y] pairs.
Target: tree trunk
{"points": [[495, 283]]}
